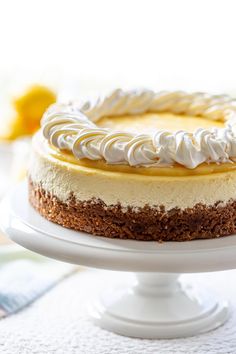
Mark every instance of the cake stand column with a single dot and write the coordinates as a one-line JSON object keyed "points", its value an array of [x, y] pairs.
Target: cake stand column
{"points": [[158, 305], [157, 284]]}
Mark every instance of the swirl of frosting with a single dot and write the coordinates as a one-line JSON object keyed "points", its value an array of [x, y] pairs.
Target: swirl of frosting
{"points": [[113, 146], [73, 127], [140, 151]]}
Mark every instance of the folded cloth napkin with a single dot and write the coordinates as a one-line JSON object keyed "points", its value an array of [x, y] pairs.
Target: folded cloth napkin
{"points": [[23, 281], [58, 322]]}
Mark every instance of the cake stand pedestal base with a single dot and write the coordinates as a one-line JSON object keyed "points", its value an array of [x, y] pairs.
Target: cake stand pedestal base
{"points": [[158, 306]]}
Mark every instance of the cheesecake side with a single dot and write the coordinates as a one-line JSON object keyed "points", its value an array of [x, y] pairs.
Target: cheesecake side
{"points": [[131, 206]]}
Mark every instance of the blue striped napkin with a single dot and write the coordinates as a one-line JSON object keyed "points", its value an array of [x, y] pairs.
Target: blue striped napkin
{"points": [[23, 281]]}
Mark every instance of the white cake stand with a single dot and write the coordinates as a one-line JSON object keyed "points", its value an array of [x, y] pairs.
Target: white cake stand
{"points": [[158, 304]]}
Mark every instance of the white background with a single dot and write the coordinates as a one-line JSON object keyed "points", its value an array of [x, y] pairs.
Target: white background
{"points": [[168, 44]]}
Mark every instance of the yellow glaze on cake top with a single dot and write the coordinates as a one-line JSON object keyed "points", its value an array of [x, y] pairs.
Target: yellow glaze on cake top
{"points": [[175, 170], [146, 123], [150, 122]]}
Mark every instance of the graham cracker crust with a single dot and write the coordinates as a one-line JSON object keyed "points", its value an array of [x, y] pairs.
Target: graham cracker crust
{"points": [[145, 224]]}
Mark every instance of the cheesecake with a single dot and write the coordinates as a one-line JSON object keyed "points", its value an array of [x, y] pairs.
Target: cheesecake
{"points": [[141, 165]]}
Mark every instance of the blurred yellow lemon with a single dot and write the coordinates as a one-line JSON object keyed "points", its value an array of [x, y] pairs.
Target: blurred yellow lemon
{"points": [[28, 110]]}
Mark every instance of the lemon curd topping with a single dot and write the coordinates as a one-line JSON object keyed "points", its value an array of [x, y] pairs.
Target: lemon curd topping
{"points": [[150, 122], [175, 170], [199, 128], [147, 123]]}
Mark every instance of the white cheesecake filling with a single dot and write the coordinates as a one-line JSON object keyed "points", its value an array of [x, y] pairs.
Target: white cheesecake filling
{"points": [[62, 178]]}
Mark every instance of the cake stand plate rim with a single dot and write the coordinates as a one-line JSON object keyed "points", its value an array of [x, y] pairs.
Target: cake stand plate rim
{"points": [[26, 227]]}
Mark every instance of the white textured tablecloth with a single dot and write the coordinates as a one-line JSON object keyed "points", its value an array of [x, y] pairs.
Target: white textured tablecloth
{"points": [[58, 323]]}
